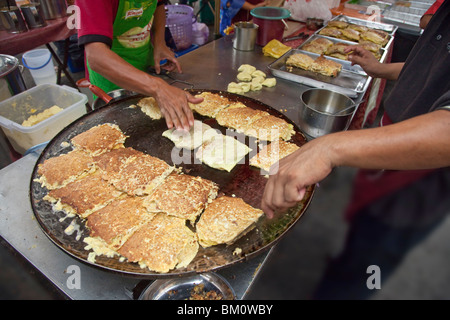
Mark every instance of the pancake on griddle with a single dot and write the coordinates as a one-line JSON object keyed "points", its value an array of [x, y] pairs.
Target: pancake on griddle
{"points": [[83, 196], [162, 244], [225, 220], [182, 196], [150, 107], [100, 139], [212, 103], [238, 116], [117, 221], [140, 174], [272, 153], [222, 152], [270, 128], [192, 139], [58, 171], [110, 162]]}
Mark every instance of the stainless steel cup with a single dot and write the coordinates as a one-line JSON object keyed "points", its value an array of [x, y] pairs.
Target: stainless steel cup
{"points": [[12, 20], [53, 9], [33, 15], [245, 34]]}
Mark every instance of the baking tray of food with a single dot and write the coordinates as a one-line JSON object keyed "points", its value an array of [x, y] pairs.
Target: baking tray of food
{"points": [[389, 28], [350, 81], [144, 134], [332, 47]]}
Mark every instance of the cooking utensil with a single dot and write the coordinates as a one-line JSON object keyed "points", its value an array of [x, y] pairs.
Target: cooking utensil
{"points": [[324, 111], [167, 73], [103, 97], [146, 135], [300, 36]]}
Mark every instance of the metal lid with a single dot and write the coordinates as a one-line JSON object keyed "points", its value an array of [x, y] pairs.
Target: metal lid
{"points": [[7, 64]]}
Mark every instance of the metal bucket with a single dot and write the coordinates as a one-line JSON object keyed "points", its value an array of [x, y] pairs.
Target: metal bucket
{"points": [[10, 70], [319, 112]]}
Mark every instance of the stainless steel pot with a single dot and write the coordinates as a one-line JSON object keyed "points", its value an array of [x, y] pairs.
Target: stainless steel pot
{"points": [[10, 70], [33, 15], [318, 112], [53, 9]]}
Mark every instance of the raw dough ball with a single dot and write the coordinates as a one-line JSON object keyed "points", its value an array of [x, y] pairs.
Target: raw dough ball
{"points": [[233, 87], [258, 73], [270, 82], [244, 76], [245, 86], [247, 68]]}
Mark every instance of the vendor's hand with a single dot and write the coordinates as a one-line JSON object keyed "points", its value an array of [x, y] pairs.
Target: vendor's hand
{"points": [[294, 173], [163, 52], [173, 103], [364, 58]]}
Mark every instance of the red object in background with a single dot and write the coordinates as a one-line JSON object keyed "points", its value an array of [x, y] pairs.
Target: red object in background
{"points": [[268, 30], [434, 7]]}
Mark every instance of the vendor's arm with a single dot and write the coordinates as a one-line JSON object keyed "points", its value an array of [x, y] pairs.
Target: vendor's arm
{"points": [[418, 143], [172, 101], [371, 65], [248, 6], [161, 50]]}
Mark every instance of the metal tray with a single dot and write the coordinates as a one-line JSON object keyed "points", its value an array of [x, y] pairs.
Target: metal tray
{"points": [[389, 28], [145, 135], [350, 81], [356, 68]]}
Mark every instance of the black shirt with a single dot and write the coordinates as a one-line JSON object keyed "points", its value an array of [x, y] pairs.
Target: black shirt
{"points": [[424, 82]]}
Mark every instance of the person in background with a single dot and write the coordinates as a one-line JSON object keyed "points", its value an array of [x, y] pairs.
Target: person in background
{"points": [[232, 11], [400, 193], [425, 19], [121, 39]]}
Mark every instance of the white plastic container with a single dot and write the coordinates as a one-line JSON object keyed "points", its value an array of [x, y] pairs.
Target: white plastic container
{"points": [[18, 108], [41, 66]]}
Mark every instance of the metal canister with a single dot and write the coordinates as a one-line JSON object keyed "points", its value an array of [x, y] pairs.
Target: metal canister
{"points": [[33, 15], [12, 20], [53, 9], [10, 70]]}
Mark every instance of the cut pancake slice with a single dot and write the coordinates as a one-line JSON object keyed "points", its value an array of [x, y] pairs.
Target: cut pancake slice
{"points": [[100, 139], [225, 220], [272, 153], [211, 105], [141, 174], [83, 196], [238, 116], [117, 221], [110, 162], [270, 128], [222, 152], [58, 171], [162, 244], [182, 196], [197, 135]]}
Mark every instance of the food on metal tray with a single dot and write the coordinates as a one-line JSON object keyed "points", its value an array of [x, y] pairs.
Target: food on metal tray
{"points": [[331, 32], [350, 34], [222, 152], [150, 107], [100, 139], [212, 103], [192, 139], [338, 24], [58, 171], [376, 36], [319, 65], [36, 118], [272, 153], [225, 220], [300, 60], [319, 45], [182, 196], [162, 244]]}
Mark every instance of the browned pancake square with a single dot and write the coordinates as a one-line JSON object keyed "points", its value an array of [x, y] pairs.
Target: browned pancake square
{"points": [[99, 139], [239, 117], [272, 153], [270, 128], [211, 105], [110, 162]]}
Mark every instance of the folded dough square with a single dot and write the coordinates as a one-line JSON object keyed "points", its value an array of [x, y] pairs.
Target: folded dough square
{"points": [[100, 139], [192, 139], [222, 152], [225, 220], [58, 171], [182, 196], [162, 244]]}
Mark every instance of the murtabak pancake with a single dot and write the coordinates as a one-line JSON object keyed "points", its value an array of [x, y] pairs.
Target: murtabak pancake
{"points": [[100, 139], [110, 162], [225, 220], [270, 128], [162, 244], [272, 153], [192, 139], [326, 67], [211, 105], [182, 196], [139, 175], [117, 221], [83, 196], [150, 107], [238, 116], [58, 171]]}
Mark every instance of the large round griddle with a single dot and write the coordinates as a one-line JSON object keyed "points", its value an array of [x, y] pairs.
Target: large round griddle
{"points": [[145, 135]]}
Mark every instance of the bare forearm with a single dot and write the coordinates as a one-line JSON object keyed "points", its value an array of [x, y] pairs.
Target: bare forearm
{"points": [[104, 61], [390, 71], [159, 25], [417, 143]]}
